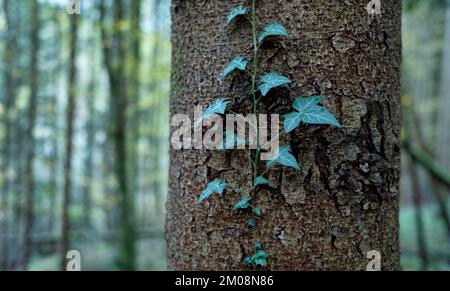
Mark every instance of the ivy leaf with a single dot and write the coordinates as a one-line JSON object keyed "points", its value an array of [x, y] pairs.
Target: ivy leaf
{"points": [[261, 181], [308, 111], [248, 262], [260, 259], [230, 141], [239, 63], [319, 115], [243, 204], [240, 10], [258, 246], [272, 80], [275, 29], [302, 104], [257, 211], [216, 186], [285, 158], [218, 107], [292, 121], [251, 223]]}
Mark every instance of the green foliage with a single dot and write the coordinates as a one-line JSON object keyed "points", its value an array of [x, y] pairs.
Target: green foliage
{"points": [[258, 259], [216, 186], [241, 10], [239, 63], [308, 111], [243, 204], [257, 211], [291, 121], [251, 223], [275, 29], [217, 107], [261, 181], [285, 158], [272, 80]]}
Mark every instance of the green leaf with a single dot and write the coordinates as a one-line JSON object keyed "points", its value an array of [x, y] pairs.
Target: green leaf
{"points": [[243, 204], [216, 186], [218, 107], [251, 223], [258, 246], [230, 141], [235, 13], [308, 111], [275, 29], [261, 262], [301, 104], [292, 121], [260, 259], [261, 181], [285, 158], [319, 115], [272, 80], [257, 211], [239, 63], [248, 262]]}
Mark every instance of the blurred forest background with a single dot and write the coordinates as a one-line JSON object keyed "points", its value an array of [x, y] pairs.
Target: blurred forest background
{"points": [[84, 124]]}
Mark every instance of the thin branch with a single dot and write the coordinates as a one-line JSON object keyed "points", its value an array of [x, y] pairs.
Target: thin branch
{"points": [[421, 157]]}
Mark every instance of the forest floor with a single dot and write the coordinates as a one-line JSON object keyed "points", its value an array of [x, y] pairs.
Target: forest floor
{"points": [[100, 255], [436, 238]]}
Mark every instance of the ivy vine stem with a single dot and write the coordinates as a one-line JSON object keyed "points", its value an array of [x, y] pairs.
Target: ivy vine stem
{"points": [[307, 111], [254, 75]]}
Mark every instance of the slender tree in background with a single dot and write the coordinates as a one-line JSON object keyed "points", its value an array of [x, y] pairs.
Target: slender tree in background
{"points": [[89, 159], [114, 50], [155, 117], [444, 94], [8, 101], [70, 114], [29, 135], [344, 202], [133, 74]]}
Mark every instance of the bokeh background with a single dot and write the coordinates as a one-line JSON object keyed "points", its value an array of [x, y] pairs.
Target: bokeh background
{"points": [[38, 54]]}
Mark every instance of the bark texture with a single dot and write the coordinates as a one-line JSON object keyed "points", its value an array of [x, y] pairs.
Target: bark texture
{"points": [[344, 202]]}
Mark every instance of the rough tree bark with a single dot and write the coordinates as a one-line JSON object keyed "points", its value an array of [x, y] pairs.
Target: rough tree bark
{"points": [[344, 201]]}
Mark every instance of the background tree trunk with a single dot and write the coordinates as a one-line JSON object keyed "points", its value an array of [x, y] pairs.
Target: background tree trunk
{"points": [[9, 99], [114, 49], [32, 108], [443, 137], [70, 114], [344, 202]]}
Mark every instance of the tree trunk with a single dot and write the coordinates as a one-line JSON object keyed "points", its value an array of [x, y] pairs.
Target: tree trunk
{"points": [[443, 134], [344, 202], [114, 48], [71, 107], [29, 136], [418, 215], [91, 126], [9, 93], [133, 75]]}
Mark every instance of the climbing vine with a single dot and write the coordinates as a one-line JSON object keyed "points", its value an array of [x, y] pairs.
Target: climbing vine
{"points": [[306, 110]]}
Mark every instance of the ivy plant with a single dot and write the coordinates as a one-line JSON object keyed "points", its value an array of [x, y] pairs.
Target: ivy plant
{"points": [[306, 110]]}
